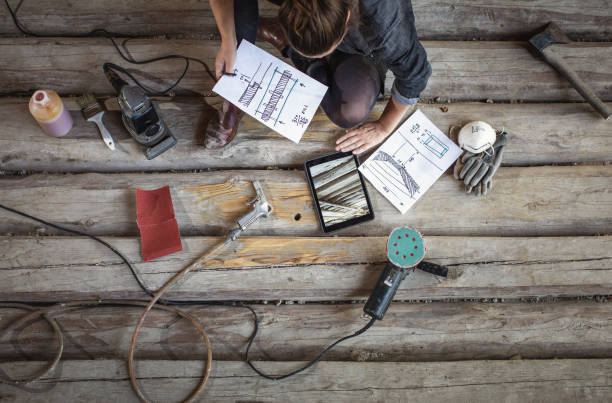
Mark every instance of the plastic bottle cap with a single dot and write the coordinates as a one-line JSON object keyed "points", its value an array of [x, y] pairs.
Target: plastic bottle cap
{"points": [[40, 97]]}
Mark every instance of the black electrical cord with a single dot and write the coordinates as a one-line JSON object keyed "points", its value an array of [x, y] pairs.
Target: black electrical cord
{"points": [[95, 238], [171, 302], [311, 363], [111, 35]]}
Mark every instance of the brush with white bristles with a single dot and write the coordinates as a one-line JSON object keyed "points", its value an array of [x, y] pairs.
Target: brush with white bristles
{"points": [[93, 112]]}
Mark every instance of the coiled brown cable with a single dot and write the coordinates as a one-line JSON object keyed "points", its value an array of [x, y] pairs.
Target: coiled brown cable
{"points": [[195, 323], [24, 320], [48, 312]]}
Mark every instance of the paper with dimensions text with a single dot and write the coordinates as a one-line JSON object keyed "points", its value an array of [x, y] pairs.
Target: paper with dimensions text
{"points": [[273, 92], [410, 161]]}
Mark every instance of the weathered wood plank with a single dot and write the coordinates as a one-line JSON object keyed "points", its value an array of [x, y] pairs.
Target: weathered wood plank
{"points": [[51, 269], [461, 70], [538, 134], [511, 20], [560, 200], [466, 381], [409, 332], [137, 17], [442, 19]]}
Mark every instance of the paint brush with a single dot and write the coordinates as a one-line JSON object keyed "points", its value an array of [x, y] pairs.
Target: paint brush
{"points": [[93, 112]]}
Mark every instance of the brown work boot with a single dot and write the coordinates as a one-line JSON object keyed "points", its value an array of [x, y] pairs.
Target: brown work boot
{"points": [[222, 128], [269, 30]]}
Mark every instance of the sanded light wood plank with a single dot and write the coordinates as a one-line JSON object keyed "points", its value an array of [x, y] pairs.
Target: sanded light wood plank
{"points": [[461, 70], [50, 269], [467, 381], [569, 200], [441, 19], [538, 134], [409, 332]]}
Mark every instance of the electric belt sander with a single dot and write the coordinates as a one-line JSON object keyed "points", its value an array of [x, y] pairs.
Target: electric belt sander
{"points": [[140, 117]]}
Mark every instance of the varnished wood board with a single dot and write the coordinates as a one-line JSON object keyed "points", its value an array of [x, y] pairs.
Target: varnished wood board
{"points": [[443, 19], [317, 269], [409, 332], [549, 200], [461, 70], [466, 381], [538, 134]]}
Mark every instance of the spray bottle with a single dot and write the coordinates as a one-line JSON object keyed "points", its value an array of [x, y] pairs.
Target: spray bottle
{"points": [[49, 111]]}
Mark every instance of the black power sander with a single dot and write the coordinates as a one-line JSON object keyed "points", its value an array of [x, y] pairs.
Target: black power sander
{"points": [[139, 116], [405, 252]]}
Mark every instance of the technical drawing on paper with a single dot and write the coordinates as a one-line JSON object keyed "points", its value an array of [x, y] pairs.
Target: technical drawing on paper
{"points": [[410, 161], [273, 92], [282, 90], [433, 144], [253, 86], [392, 176], [410, 185], [274, 96]]}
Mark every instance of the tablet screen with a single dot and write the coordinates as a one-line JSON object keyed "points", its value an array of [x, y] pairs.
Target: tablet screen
{"points": [[339, 191]]}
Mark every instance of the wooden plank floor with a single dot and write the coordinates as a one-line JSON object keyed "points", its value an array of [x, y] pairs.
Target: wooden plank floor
{"points": [[474, 70], [313, 269], [539, 134], [525, 314], [443, 19], [410, 332], [468, 381], [535, 200]]}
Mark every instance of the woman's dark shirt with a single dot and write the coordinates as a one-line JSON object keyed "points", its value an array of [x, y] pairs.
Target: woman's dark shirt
{"points": [[387, 33]]}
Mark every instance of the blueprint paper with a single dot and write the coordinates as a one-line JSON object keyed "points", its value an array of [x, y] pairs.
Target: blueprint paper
{"points": [[273, 92], [410, 161]]}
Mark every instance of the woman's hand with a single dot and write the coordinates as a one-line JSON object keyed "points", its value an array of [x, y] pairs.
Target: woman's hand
{"points": [[223, 10], [226, 57], [362, 138]]}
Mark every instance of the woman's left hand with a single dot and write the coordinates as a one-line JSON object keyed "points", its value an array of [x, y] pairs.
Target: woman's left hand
{"points": [[362, 137]]}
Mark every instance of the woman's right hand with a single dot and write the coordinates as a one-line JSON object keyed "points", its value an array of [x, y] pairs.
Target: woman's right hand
{"points": [[226, 57]]}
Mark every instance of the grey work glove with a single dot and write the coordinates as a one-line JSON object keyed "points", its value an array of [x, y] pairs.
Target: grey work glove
{"points": [[477, 170]]}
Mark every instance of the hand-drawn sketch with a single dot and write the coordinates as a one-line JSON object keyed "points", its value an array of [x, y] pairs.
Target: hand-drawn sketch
{"points": [[410, 186], [251, 89], [273, 92], [433, 144], [338, 188], [410, 161], [281, 91]]}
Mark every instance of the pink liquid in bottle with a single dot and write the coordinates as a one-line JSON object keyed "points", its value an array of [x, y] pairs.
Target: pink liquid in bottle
{"points": [[49, 111]]}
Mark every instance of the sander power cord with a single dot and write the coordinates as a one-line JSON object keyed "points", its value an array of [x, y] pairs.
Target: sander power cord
{"points": [[100, 32]]}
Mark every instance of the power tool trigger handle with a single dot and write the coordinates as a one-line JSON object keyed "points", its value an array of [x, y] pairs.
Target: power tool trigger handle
{"points": [[386, 287]]}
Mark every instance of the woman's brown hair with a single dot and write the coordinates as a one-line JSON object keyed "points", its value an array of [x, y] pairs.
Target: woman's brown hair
{"points": [[313, 27]]}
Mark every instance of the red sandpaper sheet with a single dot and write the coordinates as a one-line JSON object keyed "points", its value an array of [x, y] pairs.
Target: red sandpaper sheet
{"points": [[159, 231]]}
